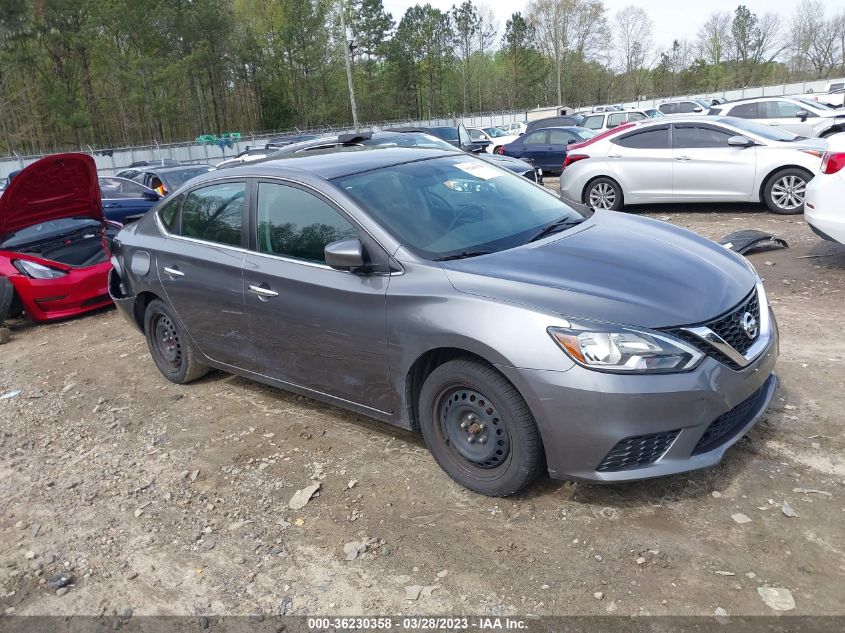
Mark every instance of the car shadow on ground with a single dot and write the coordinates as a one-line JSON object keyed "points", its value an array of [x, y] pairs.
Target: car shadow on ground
{"points": [[631, 495], [698, 207]]}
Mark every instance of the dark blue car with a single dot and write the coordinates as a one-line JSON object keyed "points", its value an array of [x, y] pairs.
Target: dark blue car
{"points": [[125, 201], [546, 148]]}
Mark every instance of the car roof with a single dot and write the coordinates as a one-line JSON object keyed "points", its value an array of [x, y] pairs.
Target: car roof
{"points": [[332, 164], [169, 170]]}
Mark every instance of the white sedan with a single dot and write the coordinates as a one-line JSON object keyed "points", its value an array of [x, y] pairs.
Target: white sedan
{"points": [[692, 159], [494, 135], [825, 201]]}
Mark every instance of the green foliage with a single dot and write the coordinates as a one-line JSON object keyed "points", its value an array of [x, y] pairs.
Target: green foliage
{"points": [[111, 73]]}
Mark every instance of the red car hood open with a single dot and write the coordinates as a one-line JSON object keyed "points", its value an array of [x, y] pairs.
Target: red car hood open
{"points": [[54, 187]]}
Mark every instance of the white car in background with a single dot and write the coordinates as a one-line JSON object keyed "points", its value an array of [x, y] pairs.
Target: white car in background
{"points": [[609, 120], [514, 129], [247, 156], [825, 201], [794, 114], [692, 159], [495, 136]]}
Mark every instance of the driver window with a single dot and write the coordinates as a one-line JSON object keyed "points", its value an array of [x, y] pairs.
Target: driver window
{"points": [[294, 223]]}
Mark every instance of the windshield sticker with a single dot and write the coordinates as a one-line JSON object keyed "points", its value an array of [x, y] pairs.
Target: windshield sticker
{"points": [[479, 170]]}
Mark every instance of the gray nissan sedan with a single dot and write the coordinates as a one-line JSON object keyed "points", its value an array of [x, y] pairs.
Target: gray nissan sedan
{"points": [[446, 295]]}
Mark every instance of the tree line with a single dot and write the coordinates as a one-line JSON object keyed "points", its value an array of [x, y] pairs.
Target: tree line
{"points": [[111, 73]]}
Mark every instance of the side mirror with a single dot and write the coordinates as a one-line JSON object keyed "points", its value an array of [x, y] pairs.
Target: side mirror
{"points": [[698, 109], [802, 114], [150, 195], [345, 254], [570, 141], [740, 141], [476, 149]]}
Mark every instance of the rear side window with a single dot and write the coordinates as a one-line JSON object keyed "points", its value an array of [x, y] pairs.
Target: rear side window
{"points": [[654, 138], [535, 138], [215, 213], [746, 111], [689, 136], [594, 122], [294, 223], [169, 213], [617, 118]]}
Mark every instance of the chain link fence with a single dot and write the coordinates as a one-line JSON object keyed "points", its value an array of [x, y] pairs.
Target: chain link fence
{"points": [[111, 160]]}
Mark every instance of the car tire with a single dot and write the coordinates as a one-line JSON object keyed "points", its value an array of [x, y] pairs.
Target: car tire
{"points": [[465, 398], [603, 193], [169, 346], [785, 189], [7, 294]]}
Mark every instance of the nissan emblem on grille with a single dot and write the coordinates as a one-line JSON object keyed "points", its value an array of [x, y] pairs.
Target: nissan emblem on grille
{"points": [[749, 325]]}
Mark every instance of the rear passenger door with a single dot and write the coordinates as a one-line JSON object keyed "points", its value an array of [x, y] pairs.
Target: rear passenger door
{"points": [[200, 268], [311, 325], [641, 161]]}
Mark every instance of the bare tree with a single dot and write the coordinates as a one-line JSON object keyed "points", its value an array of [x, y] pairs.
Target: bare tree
{"points": [[714, 37], [814, 39], [568, 31], [486, 35], [634, 43]]}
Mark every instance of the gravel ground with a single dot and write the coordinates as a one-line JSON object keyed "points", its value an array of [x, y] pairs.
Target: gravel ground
{"points": [[178, 500]]}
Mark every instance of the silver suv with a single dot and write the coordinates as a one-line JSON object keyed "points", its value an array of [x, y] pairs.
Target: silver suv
{"points": [[685, 106], [795, 114]]}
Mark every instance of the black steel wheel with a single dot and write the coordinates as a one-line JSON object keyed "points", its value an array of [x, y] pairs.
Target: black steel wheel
{"points": [[479, 428], [169, 345]]}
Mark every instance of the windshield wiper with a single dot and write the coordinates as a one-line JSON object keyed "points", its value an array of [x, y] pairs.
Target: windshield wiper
{"points": [[556, 227], [462, 255]]}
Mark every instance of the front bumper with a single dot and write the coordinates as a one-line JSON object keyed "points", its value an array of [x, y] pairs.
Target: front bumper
{"points": [[78, 292], [584, 415]]}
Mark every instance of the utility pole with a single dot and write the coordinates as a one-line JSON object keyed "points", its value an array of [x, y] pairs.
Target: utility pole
{"points": [[347, 46]]}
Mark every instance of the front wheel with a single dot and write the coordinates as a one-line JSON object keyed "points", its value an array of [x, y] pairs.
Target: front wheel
{"points": [[169, 345], [784, 191], [479, 429], [603, 193]]}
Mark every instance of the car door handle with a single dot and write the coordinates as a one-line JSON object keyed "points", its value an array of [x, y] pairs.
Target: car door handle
{"points": [[614, 155], [262, 292], [109, 205], [683, 158], [174, 272]]}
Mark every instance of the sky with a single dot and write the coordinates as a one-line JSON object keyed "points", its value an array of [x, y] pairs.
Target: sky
{"points": [[673, 19]]}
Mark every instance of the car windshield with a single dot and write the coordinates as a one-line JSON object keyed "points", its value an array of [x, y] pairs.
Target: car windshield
{"points": [[763, 131], [818, 105], [704, 104], [410, 139], [654, 114], [179, 177], [495, 132], [445, 207], [446, 133], [583, 133]]}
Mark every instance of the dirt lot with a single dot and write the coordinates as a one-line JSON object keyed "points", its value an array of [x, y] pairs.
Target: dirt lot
{"points": [[174, 500]]}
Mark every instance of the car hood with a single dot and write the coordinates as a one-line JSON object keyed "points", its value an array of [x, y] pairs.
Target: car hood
{"points": [[54, 187], [614, 268], [508, 162]]}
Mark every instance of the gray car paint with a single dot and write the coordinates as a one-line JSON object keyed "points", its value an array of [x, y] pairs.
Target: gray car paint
{"points": [[353, 340]]}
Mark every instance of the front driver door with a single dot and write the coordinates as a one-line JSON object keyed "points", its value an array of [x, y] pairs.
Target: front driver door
{"points": [[707, 168], [200, 266], [313, 326]]}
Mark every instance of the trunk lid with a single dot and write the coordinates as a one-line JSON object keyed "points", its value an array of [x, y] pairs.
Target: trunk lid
{"points": [[52, 188]]}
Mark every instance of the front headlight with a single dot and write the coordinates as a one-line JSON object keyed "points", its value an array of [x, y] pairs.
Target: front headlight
{"points": [[38, 271], [623, 350]]}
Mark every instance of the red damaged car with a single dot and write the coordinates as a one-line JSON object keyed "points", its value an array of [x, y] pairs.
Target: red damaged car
{"points": [[54, 258]]}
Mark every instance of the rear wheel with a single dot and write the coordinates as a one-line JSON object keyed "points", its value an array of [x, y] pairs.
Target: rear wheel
{"points": [[784, 191], [169, 345], [479, 429], [603, 193]]}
